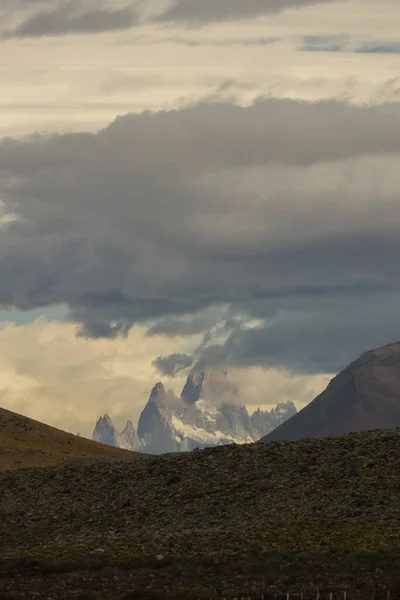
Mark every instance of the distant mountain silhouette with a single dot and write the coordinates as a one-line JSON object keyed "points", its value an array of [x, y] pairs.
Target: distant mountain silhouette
{"points": [[364, 396]]}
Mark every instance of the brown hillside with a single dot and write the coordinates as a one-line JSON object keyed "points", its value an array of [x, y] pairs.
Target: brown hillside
{"points": [[364, 396], [28, 443], [228, 522]]}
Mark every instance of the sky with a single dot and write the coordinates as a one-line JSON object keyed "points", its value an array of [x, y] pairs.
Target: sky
{"points": [[190, 185]]}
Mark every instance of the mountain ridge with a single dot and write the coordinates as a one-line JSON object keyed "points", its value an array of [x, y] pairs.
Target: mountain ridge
{"points": [[363, 396]]}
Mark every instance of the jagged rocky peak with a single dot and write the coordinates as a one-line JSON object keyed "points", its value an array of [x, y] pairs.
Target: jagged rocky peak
{"points": [[192, 388], [210, 412], [105, 431], [129, 427], [128, 439], [212, 386], [158, 392], [106, 421], [266, 421]]}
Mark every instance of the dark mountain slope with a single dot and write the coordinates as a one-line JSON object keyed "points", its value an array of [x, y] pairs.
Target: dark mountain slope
{"points": [[364, 396]]}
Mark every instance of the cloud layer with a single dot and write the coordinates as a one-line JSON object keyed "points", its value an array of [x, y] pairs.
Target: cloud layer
{"points": [[71, 18], [283, 211], [50, 374], [206, 11], [44, 18]]}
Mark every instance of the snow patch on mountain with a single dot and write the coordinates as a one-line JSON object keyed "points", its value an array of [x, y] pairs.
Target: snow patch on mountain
{"points": [[201, 417]]}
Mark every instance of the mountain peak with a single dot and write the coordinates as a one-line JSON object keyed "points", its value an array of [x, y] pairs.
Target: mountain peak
{"points": [[211, 385], [105, 431], [105, 421], [384, 352], [192, 388], [158, 390], [129, 428], [364, 396]]}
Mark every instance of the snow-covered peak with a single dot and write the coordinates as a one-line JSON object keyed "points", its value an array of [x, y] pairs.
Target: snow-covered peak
{"points": [[208, 413], [128, 439]]}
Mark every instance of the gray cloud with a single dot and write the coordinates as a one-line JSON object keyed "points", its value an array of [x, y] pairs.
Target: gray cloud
{"points": [[344, 43], [379, 48], [190, 42], [173, 364], [189, 325], [225, 213], [205, 11], [322, 338], [70, 18], [325, 43]]}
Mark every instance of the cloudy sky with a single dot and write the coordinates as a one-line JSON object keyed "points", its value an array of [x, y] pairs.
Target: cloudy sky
{"points": [[191, 184]]}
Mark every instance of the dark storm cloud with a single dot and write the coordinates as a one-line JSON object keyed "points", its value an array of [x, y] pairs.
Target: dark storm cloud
{"points": [[173, 364], [322, 340], [281, 206], [70, 18], [205, 11]]}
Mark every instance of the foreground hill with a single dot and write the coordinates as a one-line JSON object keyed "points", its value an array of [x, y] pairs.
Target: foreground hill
{"points": [[28, 443], [366, 395], [232, 521]]}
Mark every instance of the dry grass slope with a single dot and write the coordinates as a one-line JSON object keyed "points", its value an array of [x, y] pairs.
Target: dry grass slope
{"points": [[27, 443], [220, 523]]}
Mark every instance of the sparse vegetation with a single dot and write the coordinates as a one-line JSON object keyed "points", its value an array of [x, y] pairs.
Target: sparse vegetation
{"points": [[27, 443], [225, 522]]}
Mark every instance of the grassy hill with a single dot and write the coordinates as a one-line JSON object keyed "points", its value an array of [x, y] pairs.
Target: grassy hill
{"points": [[27, 443], [316, 514]]}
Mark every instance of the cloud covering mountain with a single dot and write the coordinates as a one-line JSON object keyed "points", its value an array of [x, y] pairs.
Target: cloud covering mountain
{"points": [[208, 413], [170, 214]]}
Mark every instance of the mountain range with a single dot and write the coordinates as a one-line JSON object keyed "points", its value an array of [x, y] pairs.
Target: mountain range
{"points": [[105, 522], [205, 415]]}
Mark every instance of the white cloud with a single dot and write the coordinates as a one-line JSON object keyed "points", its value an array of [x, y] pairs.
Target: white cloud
{"points": [[50, 374], [60, 85]]}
